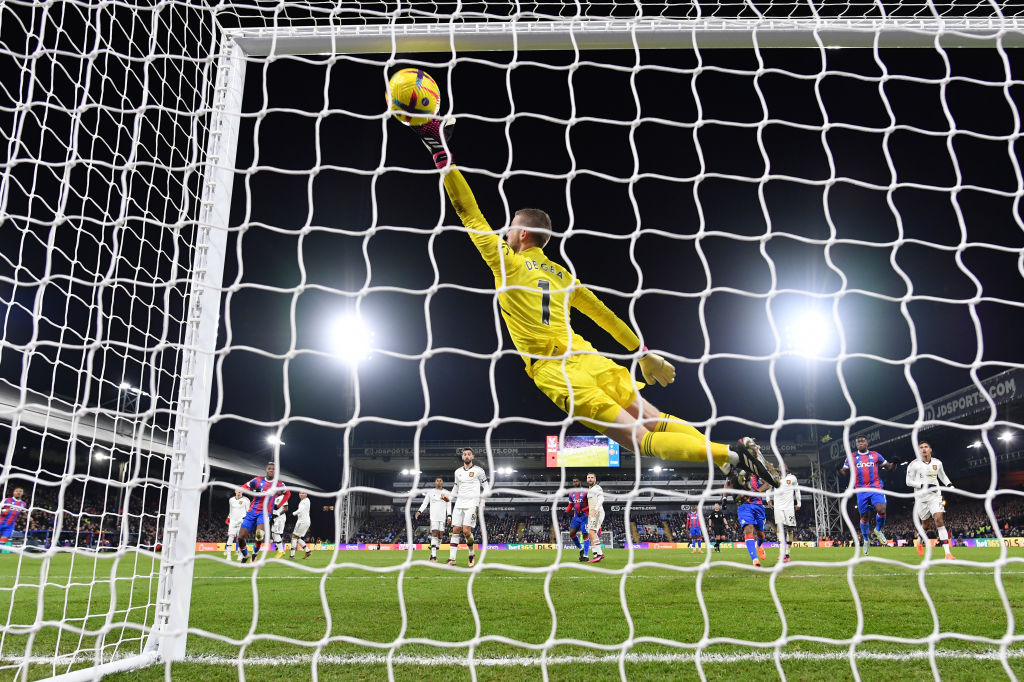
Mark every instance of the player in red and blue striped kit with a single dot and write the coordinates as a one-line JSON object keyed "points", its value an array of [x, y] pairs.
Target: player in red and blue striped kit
{"points": [[580, 511], [696, 536], [269, 494], [750, 511], [9, 510], [866, 463]]}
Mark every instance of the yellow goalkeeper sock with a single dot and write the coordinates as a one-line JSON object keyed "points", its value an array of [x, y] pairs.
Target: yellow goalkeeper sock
{"points": [[670, 424], [682, 447]]}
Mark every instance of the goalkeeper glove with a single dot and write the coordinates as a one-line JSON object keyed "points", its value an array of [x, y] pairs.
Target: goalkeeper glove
{"points": [[435, 135], [657, 369]]}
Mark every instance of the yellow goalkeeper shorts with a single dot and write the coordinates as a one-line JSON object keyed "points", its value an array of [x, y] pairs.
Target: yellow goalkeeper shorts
{"points": [[600, 387]]}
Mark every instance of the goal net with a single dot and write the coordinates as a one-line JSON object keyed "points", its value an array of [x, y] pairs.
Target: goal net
{"points": [[810, 209]]}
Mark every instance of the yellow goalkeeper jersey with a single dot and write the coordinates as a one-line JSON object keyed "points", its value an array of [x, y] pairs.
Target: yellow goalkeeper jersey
{"points": [[534, 292]]}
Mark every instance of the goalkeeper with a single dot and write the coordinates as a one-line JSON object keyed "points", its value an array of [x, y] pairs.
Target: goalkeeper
{"points": [[535, 295]]}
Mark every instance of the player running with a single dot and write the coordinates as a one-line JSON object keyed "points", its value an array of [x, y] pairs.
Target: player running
{"points": [[466, 495], [580, 512], [786, 501], [440, 514], [924, 475], [238, 507], [595, 502], [869, 483], [750, 512], [268, 492], [301, 527], [696, 535], [10, 508], [535, 297]]}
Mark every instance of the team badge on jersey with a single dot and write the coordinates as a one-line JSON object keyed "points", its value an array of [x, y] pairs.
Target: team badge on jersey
{"points": [[471, 474], [935, 467]]}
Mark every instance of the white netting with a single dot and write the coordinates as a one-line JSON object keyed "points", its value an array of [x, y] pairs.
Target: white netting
{"points": [[710, 196]]}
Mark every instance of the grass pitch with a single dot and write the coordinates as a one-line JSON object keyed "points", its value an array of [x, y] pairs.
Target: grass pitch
{"points": [[373, 615]]}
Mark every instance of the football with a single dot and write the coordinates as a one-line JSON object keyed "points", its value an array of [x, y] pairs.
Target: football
{"points": [[413, 96]]}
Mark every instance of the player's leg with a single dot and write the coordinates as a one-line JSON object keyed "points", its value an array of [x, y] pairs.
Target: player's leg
{"points": [[435, 542], [922, 522], [759, 530], [864, 507], [879, 500], [467, 534], [242, 540], [455, 538], [940, 529], [295, 543], [232, 532], [277, 537], [594, 523], [780, 532]]}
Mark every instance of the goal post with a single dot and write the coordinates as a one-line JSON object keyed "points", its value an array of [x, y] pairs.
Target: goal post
{"points": [[202, 161]]}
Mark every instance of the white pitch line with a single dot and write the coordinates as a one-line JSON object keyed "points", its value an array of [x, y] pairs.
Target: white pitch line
{"points": [[541, 576], [758, 656]]}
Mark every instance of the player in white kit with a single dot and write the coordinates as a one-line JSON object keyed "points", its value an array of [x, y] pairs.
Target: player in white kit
{"points": [[440, 514], [466, 495], [238, 507], [595, 500], [277, 528], [301, 526], [786, 501], [924, 475]]}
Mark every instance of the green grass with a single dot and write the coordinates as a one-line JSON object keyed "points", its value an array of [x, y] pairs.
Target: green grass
{"points": [[337, 603]]}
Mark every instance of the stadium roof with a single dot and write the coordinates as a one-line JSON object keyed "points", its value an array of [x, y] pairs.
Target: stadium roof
{"points": [[55, 416]]}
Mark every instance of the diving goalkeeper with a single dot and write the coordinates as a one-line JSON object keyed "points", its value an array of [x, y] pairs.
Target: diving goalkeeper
{"points": [[535, 295]]}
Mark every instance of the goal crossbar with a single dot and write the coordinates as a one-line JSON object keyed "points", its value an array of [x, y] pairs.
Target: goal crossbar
{"points": [[603, 34]]}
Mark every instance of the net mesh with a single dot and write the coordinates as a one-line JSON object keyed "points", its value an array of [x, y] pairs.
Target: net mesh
{"points": [[705, 194]]}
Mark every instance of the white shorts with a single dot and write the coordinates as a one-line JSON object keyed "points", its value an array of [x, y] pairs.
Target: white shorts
{"points": [[594, 521], [233, 528], [464, 517], [785, 516], [437, 525], [301, 528], [928, 505]]}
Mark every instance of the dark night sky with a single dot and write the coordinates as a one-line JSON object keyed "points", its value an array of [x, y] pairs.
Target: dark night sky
{"points": [[311, 239]]}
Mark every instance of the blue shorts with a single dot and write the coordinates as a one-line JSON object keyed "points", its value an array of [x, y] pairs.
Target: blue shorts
{"points": [[751, 515], [867, 501], [579, 523], [695, 533], [6, 531], [251, 520]]}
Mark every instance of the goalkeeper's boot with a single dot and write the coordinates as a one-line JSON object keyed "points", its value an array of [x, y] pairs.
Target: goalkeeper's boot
{"points": [[753, 462], [881, 537]]}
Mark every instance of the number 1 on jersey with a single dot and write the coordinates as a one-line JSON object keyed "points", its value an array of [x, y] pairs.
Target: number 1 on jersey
{"points": [[545, 301]]}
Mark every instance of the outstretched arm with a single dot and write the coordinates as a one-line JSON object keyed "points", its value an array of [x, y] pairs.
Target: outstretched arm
{"points": [[654, 367], [435, 136]]}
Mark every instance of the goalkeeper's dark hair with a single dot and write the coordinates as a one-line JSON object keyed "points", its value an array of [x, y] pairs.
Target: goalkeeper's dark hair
{"points": [[539, 224]]}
